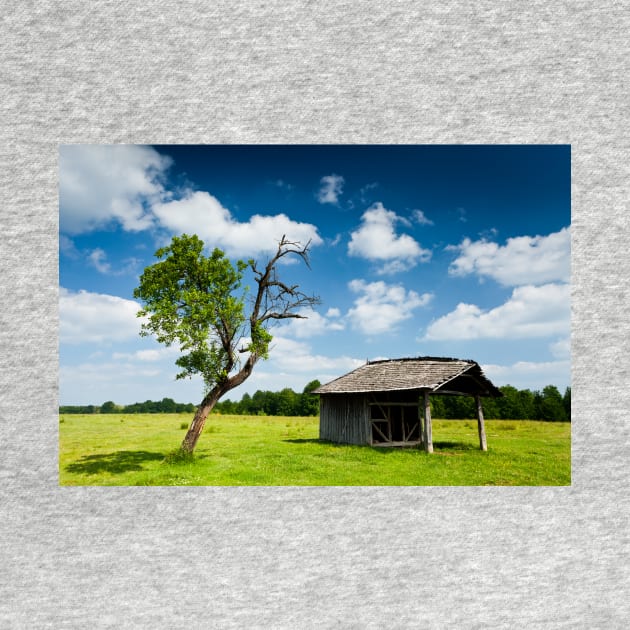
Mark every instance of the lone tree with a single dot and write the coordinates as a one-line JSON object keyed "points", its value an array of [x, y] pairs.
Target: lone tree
{"points": [[198, 302]]}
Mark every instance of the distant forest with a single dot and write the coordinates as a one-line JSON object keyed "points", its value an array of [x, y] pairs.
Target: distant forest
{"points": [[524, 404]]}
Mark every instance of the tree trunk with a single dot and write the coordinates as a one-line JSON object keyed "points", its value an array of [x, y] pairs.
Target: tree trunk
{"points": [[196, 426], [207, 404]]}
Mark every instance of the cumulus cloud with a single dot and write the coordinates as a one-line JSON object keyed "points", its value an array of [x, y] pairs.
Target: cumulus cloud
{"points": [[331, 187], [151, 355], [103, 184], [124, 382], [86, 317], [297, 356], [522, 260], [529, 312], [202, 214], [380, 307], [99, 184], [315, 324], [529, 374], [376, 240]]}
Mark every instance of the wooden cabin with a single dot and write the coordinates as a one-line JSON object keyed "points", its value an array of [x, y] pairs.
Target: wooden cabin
{"points": [[386, 403]]}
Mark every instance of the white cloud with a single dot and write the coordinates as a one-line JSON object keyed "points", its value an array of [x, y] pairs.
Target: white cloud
{"points": [[522, 260], [331, 187], [67, 247], [98, 259], [530, 375], [86, 317], [148, 356], [561, 349], [202, 214], [314, 324], [124, 382], [380, 307], [420, 218], [376, 240], [529, 312], [296, 356], [99, 184]]}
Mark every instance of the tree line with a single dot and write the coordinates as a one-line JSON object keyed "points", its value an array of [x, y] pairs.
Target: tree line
{"points": [[283, 403], [524, 404], [515, 404], [166, 405], [548, 404]]}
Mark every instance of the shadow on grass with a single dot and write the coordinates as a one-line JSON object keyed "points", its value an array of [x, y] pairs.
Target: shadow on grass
{"points": [[114, 463]]}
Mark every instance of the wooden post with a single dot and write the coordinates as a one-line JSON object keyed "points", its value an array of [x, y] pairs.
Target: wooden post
{"points": [[480, 425], [420, 428], [428, 432]]}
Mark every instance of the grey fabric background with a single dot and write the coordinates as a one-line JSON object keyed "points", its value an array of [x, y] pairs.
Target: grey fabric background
{"points": [[326, 72]]}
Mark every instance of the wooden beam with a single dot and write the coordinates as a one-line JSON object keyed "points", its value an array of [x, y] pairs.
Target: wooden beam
{"points": [[428, 442], [384, 436], [394, 404], [413, 428], [483, 445]]}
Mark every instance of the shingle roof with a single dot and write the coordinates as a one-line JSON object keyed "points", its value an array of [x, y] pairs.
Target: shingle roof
{"points": [[422, 373]]}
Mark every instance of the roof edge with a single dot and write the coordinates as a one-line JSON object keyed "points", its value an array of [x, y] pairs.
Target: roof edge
{"points": [[440, 359]]}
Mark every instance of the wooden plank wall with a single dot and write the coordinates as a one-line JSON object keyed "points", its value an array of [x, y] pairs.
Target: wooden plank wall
{"points": [[344, 418]]}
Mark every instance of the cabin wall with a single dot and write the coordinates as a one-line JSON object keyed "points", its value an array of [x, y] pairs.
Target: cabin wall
{"points": [[344, 419]]}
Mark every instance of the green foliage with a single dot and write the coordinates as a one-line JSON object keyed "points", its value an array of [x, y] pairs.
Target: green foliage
{"points": [[266, 403], [312, 386], [188, 300], [566, 401], [515, 404], [260, 340], [309, 403], [551, 405], [166, 405], [109, 407]]}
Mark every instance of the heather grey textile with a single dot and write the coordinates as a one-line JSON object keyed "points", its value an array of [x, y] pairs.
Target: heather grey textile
{"points": [[300, 72]]}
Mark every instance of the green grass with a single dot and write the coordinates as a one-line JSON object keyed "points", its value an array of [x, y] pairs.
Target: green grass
{"points": [[130, 450]]}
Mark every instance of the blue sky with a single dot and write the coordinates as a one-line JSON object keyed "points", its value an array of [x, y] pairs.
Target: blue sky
{"points": [[460, 251]]}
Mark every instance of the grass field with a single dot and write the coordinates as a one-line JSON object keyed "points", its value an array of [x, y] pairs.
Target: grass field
{"points": [[129, 450]]}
